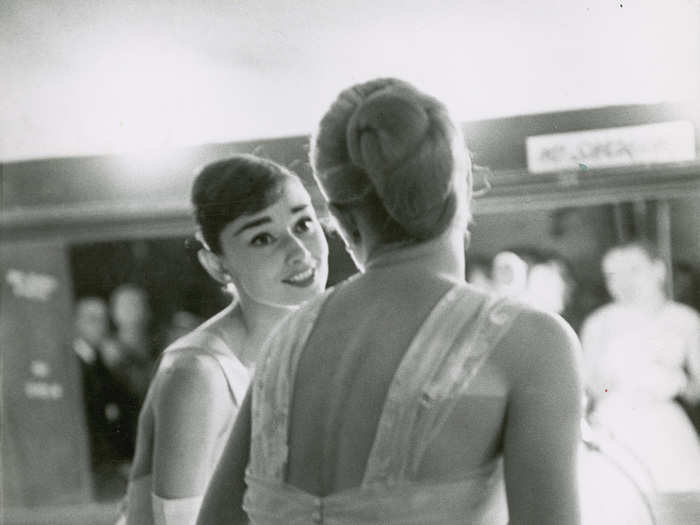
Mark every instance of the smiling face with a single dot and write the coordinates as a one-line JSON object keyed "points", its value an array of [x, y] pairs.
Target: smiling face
{"points": [[278, 255]]}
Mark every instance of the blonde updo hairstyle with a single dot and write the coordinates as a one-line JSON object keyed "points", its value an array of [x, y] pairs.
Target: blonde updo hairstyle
{"points": [[384, 142]]}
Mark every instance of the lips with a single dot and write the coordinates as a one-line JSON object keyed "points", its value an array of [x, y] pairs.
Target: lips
{"points": [[301, 279]]}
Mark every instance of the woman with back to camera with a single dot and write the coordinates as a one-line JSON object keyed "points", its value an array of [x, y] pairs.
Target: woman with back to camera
{"points": [[259, 235], [403, 395]]}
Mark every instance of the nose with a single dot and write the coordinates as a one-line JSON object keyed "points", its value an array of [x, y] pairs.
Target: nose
{"points": [[296, 251]]}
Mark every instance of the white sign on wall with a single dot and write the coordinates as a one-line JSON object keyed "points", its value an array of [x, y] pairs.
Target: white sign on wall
{"points": [[605, 148], [31, 285]]}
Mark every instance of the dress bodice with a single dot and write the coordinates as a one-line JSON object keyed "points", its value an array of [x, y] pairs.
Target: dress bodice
{"points": [[444, 356]]}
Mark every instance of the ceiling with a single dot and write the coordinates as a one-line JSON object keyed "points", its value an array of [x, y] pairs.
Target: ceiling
{"points": [[99, 76]]}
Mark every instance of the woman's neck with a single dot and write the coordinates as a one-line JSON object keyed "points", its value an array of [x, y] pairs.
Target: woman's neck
{"points": [[443, 255], [260, 318], [248, 324]]}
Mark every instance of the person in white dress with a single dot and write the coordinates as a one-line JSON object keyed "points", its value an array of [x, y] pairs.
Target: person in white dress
{"points": [[404, 395], [641, 353], [260, 236]]}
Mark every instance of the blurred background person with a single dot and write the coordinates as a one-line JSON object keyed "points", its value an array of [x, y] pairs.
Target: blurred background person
{"points": [[129, 353], [546, 279], [509, 274], [132, 356], [106, 403], [550, 285], [641, 352], [542, 278]]}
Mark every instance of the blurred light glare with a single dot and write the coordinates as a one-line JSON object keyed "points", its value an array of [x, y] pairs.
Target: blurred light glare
{"points": [[126, 79], [147, 168], [150, 99]]}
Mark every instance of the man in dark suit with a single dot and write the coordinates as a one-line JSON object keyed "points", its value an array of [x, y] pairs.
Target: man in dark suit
{"points": [[106, 403]]}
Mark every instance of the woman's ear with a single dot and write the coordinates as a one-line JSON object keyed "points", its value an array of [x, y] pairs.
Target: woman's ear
{"points": [[212, 264]]}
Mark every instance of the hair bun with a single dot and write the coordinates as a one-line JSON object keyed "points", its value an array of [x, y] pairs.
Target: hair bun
{"points": [[384, 130], [399, 138]]}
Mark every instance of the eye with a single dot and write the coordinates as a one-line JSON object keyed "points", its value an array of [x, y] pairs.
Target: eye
{"points": [[305, 224], [262, 239]]}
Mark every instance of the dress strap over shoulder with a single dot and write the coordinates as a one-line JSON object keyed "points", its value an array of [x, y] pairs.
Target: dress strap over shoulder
{"points": [[272, 390], [448, 350], [444, 357]]}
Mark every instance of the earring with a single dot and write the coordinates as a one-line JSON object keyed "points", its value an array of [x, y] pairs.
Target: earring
{"points": [[227, 277]]}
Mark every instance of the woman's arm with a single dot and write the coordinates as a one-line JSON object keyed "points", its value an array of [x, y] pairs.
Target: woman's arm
{"points": [[543, 419], [192, 406], [223, 502]]}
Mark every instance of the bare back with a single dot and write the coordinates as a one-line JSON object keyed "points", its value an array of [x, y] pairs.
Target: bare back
{"points": [[417, 404], [345, 372]]}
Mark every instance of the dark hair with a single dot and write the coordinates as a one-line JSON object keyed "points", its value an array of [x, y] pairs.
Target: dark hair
{"points": [[387, 145], [239, 185]]}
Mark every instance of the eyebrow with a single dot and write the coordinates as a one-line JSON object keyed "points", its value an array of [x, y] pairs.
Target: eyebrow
{"points": [[265, 220]]}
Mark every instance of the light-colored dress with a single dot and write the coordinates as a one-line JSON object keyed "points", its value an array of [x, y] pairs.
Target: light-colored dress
{"points": [[635, 364], [140, 499], [437, 368]]}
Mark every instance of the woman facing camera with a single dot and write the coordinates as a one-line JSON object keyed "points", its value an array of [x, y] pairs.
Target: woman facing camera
{"points": [[260, 237], [404, 395]]}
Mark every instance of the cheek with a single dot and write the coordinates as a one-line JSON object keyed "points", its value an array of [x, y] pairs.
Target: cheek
{"points": [[318, 246], [259, 277], [248, 267]]}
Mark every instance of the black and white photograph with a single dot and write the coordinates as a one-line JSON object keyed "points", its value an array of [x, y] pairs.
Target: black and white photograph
{"points": [[389, 262]]}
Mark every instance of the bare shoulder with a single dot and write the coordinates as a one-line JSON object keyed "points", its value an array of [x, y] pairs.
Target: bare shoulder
{"points": [[191, 372], [542, 422], [540, 347], [192, 393], [538, 327]]}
